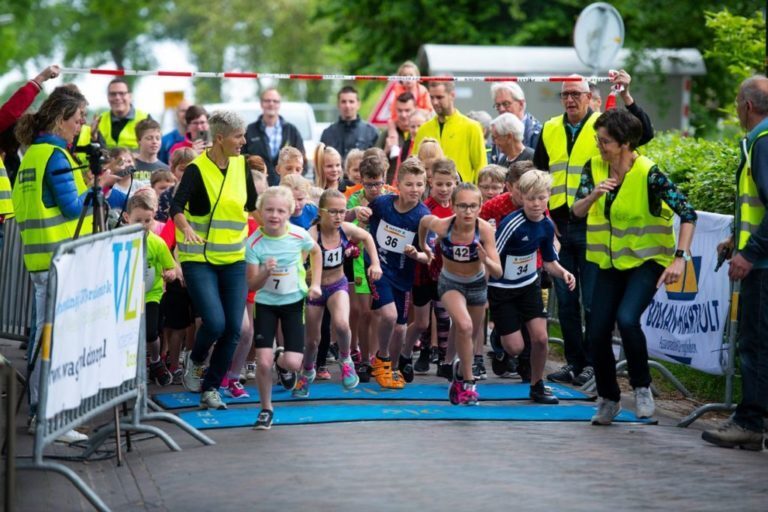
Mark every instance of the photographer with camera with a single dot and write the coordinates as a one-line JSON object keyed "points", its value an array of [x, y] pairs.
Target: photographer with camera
{"points": [[198, 136], [49, 194]]}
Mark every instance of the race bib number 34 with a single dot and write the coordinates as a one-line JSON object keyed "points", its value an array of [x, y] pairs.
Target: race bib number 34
{"points": [[519, 267], [392, 238], [283, 280]]}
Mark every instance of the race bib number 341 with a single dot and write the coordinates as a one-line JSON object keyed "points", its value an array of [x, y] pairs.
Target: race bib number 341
{"points": [[392, 238]]}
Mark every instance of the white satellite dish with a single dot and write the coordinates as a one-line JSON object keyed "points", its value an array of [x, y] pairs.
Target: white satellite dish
{"points": [[598, 35]]}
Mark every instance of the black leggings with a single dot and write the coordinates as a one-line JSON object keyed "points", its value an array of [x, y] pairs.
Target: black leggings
{"points": [[291, 317]]}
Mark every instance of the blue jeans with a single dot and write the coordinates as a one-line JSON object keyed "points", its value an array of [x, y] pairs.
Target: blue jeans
{"points": [[218, 293], [624, 295], [753, 349], [573, 241]]}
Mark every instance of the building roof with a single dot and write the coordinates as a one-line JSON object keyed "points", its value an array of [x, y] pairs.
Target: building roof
{"points": [[437, 59]]}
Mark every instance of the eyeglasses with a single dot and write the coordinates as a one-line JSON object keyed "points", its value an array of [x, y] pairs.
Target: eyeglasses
{"points": [[334, 213], [603, 142], [117, 93], [467, 207], [377, 184], [504, 104], [270, 101], [573, 94]]}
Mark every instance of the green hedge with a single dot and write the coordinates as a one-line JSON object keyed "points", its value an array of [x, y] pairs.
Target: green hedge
{"points": [[704, 170]]}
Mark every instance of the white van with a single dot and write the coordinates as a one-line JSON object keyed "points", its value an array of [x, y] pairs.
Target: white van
{"points": [[298, 113]]}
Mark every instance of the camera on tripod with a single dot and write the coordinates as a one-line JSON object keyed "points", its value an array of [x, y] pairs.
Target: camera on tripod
{"points": [[97, 157]]}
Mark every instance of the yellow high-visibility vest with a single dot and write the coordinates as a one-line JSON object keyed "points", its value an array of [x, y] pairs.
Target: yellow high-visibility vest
{"points": [[6, 204], [127, 137], [631, 234], [43, 229], [566, 168], [750, 209], [225, 227]]}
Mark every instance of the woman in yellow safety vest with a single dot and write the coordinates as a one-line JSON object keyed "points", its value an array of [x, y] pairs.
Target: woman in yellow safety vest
{"points": [[210, 210], [48, 197], [629, 205]]}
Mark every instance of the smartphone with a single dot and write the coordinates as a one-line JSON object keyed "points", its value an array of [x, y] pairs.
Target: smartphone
{"points": [[204, 136]]}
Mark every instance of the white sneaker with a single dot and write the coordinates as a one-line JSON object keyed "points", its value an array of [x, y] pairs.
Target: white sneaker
{"points": [[193, 375], [606, 411], [644, 402], [211, 399], [250, 370], [73, 436]]}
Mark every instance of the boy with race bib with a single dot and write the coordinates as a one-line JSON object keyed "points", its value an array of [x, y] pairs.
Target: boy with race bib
{"points": [[394, 222], [515, 298]]}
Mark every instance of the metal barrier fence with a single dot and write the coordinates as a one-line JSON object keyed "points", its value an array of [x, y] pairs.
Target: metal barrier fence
{"points": [[47, 430], [16, 293], [8, 386]]}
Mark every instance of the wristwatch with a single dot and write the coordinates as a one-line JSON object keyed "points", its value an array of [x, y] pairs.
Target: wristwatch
{"points": [[682, 253]]}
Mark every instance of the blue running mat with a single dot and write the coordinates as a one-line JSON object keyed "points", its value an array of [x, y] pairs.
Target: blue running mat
{"points": [[372, 391], [315, 413]]}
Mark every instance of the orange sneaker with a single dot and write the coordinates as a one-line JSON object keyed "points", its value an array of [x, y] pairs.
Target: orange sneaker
{"points": [[385, 377]]}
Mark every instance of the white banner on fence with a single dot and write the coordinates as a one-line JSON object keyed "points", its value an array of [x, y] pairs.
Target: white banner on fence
{"points": [[99, 301], [684, 323]]}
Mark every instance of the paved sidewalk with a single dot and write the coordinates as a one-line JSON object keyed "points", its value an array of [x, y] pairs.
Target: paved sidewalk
{"points": [[405, 466]]}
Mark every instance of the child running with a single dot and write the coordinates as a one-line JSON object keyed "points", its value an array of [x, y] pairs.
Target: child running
{"points": [[468, 248], [141, 210], [515, 298], [275, 254], [337, 240], [394, 222]]}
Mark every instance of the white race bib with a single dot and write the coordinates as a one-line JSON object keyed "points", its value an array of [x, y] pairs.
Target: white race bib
{"points": [[333, 258], [460, 253], [283, 280], [394, 239], [517, 268]]}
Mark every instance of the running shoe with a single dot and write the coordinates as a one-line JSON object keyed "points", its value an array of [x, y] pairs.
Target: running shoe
{"points": [[585, 376], [323, 373], [211, 399], [356, 356], [264, 420], [607, 410], [250, 370], [732, 435], [364, 372], [349, 378], [287, 378], [445, 370], [541, 394], [564, 375], [405, 366], [160, 374], [478, 368], [462, 392], [434, 355], [178, 376], [644, 402], [236, 390], [333, 352], [385, 377], [421, 366], [301, 389], [193, 375]]}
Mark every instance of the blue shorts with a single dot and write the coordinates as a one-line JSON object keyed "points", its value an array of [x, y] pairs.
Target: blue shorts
{"points": [[383, 293]]}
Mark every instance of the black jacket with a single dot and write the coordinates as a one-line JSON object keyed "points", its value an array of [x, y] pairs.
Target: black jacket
{"points": [[346, 135], [257, 143]]}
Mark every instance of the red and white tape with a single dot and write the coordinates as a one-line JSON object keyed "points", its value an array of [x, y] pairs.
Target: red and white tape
{"points": [[311, 76]]}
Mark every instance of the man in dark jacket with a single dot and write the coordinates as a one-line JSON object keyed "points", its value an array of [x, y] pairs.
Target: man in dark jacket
{"points": [[269, 133], [349, 132]]}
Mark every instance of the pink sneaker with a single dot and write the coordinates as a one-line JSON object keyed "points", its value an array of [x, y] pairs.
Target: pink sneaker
{"points": [[463, 393], [236, 390], [323, 373]]}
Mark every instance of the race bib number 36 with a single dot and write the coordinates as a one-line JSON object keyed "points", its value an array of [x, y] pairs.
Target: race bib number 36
{"points": [[392, 238], [283, 280], [519, 267]]}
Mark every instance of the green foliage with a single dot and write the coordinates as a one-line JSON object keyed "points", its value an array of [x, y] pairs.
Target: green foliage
{"points": [[703, 169]]}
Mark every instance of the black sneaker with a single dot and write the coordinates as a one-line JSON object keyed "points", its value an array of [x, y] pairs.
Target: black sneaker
{"points": [[421, 365], [287, 379], [565, 374], [406, 368], [445, 370], [585, 376], [434, 355], [264, 420], [478, 368], [364, 372], [524, 369], [500, 364], [160, 374], [541, 394], [333, 351]]}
